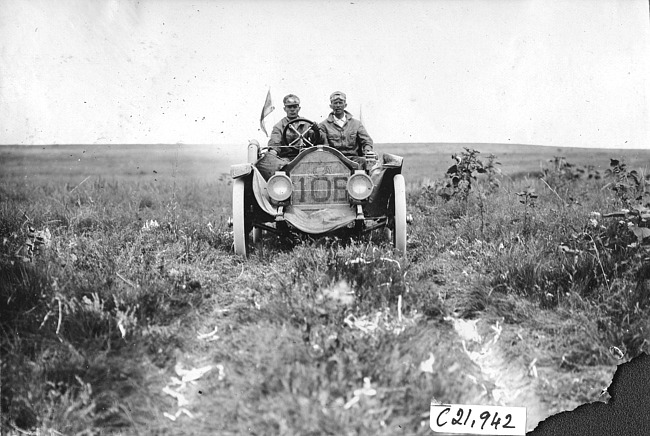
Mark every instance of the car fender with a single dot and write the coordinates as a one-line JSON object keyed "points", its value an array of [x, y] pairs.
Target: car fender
{"points": [[241, 170]]}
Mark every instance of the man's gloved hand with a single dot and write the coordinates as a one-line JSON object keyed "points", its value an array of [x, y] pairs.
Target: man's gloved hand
{"points": [[315, 134]]}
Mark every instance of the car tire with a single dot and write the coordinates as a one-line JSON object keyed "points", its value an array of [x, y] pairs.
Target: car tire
{"points": [[240, 235], [399, 233]]}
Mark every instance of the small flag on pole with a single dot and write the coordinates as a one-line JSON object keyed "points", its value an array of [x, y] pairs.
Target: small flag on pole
{"points": [[268, 108]]}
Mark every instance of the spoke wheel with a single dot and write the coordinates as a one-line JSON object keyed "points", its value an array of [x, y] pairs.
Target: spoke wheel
{"points": [[399, 233], [240, 235]]}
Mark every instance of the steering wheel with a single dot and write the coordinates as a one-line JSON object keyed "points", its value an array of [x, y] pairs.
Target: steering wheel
{"points": [[306, 137]]}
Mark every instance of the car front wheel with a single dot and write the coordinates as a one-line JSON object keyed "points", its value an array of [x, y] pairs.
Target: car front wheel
{"points": [[240, 235], [400, 213]]}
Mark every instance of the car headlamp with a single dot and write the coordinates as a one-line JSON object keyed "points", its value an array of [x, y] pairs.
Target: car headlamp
{"points": [[359, 186], [279, 187]]}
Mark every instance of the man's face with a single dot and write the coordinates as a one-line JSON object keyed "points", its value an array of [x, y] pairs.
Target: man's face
{"points": [[292, 110], [338, 106]]}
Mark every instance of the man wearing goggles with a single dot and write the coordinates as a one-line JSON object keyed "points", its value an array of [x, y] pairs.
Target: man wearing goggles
{"points": [[345, 133]]}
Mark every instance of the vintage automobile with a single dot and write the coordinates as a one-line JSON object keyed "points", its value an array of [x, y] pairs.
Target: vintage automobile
{"points": [[319, 192]]}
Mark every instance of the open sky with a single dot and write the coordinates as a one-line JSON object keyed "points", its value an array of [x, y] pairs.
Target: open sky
{"points": [[545, 72]]}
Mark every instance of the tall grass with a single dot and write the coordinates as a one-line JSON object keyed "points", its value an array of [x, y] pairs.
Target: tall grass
{"points": [[95, 324]]}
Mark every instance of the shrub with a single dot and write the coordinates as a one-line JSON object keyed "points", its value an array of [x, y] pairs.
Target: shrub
{"points": [[628, 185], [461, 175]]}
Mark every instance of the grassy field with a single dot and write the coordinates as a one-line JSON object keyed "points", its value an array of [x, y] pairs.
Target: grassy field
{"points": [[518, 161], [133, 316]]}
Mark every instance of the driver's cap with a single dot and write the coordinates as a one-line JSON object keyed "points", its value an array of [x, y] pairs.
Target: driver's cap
{"points": [[338, 95], [291, 99]]}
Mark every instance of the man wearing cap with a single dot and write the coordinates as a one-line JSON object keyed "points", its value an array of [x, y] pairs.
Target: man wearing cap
{"points": [[276, 144], [345, 133], [279, 154]]}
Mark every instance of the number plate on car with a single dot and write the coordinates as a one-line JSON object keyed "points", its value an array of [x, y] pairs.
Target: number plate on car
{"points": [[320, 180], [326, 189]]}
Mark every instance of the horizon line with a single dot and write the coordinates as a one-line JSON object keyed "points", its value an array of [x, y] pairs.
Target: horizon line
{"points": [[376, 143]]}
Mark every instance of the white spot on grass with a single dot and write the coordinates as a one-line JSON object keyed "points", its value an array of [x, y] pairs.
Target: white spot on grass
{"points": [[367, 390], [466, 329], [340, 292], [427, 365]]}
